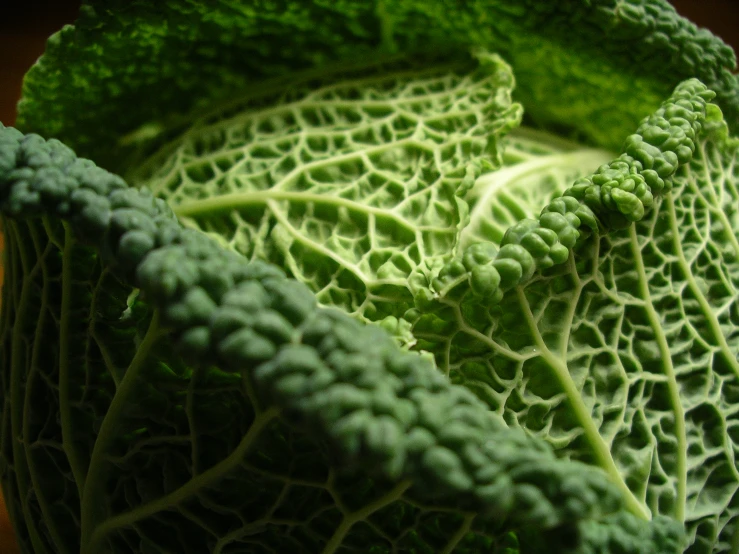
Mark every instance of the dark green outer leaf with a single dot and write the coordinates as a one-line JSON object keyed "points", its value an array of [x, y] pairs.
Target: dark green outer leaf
{"points": [[134, 66]]}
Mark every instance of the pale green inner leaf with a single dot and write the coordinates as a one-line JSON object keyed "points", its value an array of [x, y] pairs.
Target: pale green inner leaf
{"points": [[351, 186]]}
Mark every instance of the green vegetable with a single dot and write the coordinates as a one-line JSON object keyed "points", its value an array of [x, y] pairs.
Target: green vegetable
{"points": [[207, 341], [336, 305], [596, 66], [367, 176]]}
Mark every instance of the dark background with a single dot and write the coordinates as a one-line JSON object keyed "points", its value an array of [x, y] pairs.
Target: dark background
{"points": [[25, 25]]}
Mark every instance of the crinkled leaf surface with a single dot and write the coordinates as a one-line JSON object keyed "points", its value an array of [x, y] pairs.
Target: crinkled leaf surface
{"points": [[349, 187], [627, 356], [129, 69], [537, 166]]}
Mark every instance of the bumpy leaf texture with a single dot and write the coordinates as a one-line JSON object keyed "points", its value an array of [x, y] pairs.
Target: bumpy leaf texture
{"points": [[595, 67], [350, 186], [627, 355], [161, 394]]}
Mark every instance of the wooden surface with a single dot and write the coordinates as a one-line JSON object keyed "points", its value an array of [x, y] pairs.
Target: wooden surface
{"points": [[25, 27]]}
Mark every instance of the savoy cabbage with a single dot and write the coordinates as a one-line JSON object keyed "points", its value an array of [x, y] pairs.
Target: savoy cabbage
{"points": [[385, 277]]}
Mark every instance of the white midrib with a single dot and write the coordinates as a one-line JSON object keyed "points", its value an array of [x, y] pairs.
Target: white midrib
{"points": [[708, 313], [600, 448], [489, 185], [669, 370], [241, 199], [267, 198]]}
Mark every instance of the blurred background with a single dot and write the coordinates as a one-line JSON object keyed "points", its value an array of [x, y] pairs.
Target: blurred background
{"points": [[26, 25]]}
